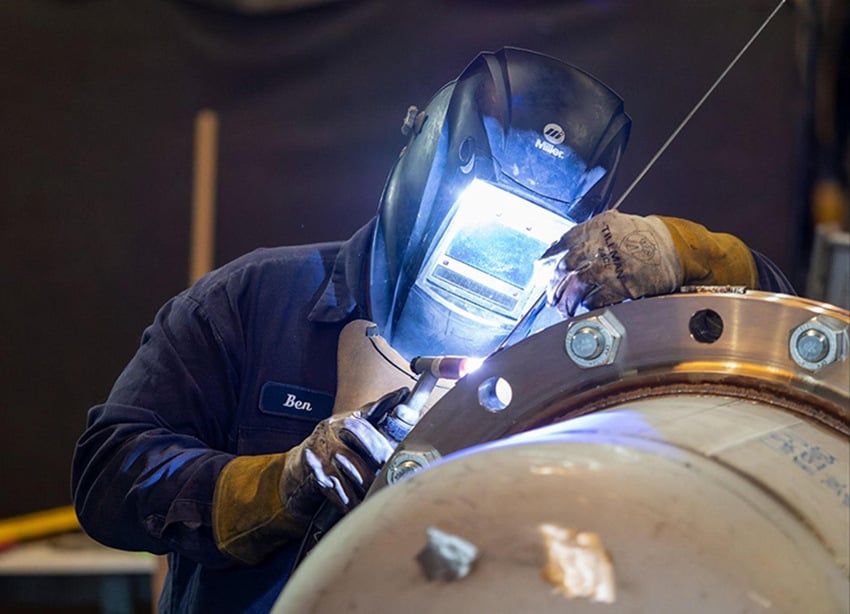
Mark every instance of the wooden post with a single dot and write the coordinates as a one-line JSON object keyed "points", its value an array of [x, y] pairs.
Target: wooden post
{"points": [[202, 247]]}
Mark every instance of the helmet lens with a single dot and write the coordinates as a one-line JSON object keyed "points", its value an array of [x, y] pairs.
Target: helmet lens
{"points": [[484, 262]]}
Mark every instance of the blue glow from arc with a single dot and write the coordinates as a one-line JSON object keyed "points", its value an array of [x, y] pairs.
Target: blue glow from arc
{"points": [[614, 422], [160, 465], [612, 427]]}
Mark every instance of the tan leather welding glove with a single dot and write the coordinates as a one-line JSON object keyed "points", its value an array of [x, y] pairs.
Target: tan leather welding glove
{"points": [[249, 517], [263, 502], [711, 258], [615, 257]]}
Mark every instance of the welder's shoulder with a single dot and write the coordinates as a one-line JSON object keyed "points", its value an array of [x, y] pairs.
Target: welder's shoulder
{"points": [[268, 268]]}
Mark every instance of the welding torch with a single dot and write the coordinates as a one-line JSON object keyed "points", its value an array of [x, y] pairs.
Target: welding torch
{"points": [[394, 423], [398, 422]]}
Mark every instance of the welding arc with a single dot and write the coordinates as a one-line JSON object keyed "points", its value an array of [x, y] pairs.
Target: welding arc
{"points": [[696, 108]]}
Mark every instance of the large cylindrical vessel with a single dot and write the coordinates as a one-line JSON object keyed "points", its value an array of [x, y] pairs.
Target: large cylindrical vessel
{"points": [[687, 452]]}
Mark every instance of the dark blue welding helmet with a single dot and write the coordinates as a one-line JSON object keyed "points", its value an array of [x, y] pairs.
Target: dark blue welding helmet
{"points": [[500, 163]]}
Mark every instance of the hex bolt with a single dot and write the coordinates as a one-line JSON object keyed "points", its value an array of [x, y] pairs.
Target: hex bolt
{"points": [[587, 343], [818, 342], [408, 462], [813, 345], [594, 341], [403, 468]]}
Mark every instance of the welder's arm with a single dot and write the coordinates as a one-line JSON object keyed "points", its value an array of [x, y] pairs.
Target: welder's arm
{"points": [[145, 468], [262, 502], [614, 257]]}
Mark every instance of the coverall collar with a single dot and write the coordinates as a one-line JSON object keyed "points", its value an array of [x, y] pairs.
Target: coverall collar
{"points": [[346, 289]]}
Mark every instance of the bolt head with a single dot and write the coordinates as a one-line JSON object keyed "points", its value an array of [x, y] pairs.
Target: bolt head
{"points": [[405, 468], [813, 345], [587, 343], [408, 462], [818, 342], [594, 341]]}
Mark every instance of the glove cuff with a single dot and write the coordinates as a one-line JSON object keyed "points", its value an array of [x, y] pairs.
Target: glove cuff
{"points": [[249, 520], [711, 258]]}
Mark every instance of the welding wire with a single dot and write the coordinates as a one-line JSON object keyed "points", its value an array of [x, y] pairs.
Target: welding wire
{"points": [[524, 323], [201, 254], [537, 306], [697, 106]]}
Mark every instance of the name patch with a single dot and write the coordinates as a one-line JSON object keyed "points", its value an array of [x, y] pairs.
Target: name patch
{"points": [[295, 401]]}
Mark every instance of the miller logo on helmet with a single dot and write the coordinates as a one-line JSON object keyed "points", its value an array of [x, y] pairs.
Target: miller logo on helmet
{"points": [[554, 133]]}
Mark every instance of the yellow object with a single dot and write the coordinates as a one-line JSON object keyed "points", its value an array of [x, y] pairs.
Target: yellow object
{"points": [[38, 524], [248, 516], [829, 203], [711, 258]]}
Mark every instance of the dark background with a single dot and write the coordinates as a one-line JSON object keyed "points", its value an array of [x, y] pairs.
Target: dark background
{"points": [[96, 129]]}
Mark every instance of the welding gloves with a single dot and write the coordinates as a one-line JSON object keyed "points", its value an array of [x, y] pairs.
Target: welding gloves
{"points": [[338, 461], [262, 502], [615, 257]]}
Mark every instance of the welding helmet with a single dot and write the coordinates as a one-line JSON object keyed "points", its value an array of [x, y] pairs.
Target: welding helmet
{"points": [[500, 163]]}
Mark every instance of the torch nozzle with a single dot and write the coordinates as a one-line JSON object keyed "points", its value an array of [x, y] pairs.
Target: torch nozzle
{"points": [[446, 367]]}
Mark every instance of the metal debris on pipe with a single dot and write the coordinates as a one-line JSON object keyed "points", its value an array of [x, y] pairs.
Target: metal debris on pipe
{"points": [[446, 556]]}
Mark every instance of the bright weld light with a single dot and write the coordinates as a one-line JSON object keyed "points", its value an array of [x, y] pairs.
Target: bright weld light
{"points": [[481, 202], [481, 199], [448, 367], [469, 365]]}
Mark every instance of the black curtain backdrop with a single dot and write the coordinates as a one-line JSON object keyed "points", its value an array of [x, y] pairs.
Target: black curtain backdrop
{"points": [[96, 128]]}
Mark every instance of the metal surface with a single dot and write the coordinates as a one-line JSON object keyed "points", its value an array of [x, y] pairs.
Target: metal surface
{"points": [[708, 460], [665, 349], [683, 534]]}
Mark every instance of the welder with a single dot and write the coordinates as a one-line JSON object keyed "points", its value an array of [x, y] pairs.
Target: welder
{"points": [[217, 443]]}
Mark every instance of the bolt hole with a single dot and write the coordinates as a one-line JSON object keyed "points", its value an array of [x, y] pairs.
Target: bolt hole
{"points": [[495, 394], [466, 153], [706, 326]]}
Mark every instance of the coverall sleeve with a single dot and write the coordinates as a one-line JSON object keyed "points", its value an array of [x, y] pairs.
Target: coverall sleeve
{"points": [[144, 470]]}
